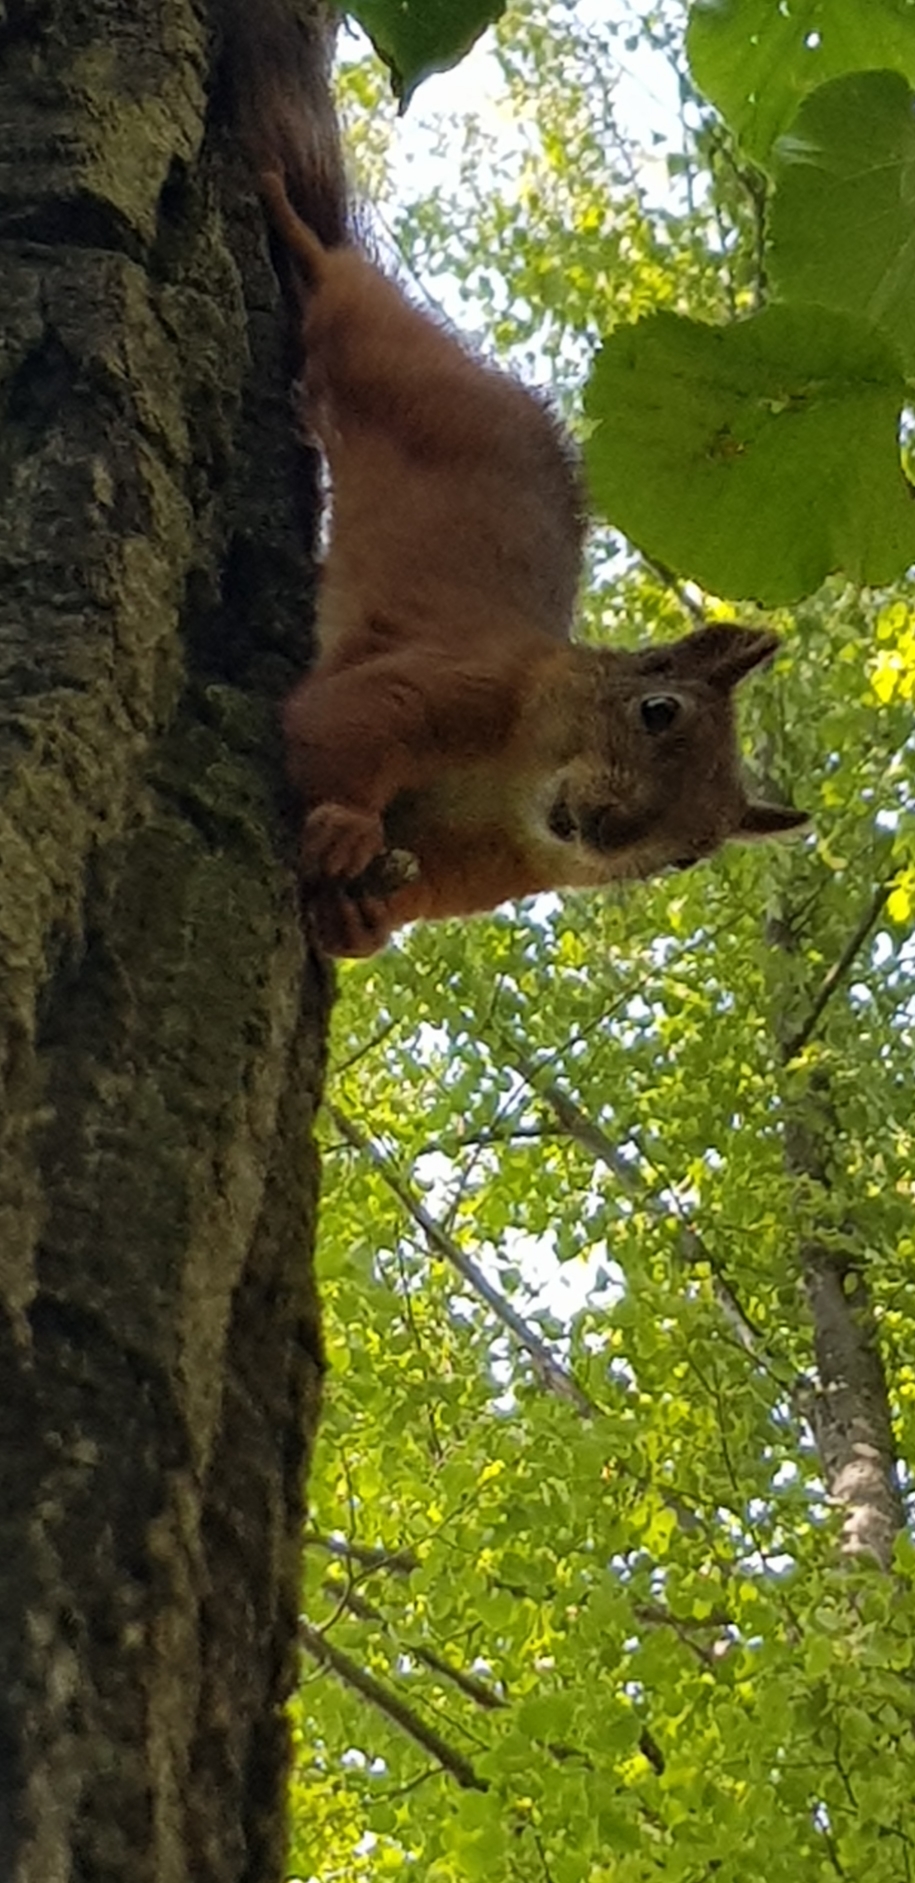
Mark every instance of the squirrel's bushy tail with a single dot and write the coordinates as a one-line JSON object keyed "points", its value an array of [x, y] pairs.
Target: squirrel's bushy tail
{"points": [[276, 60]]}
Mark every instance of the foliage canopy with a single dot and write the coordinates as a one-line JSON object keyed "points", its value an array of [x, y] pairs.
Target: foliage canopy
{"points": [[618, 1236]]}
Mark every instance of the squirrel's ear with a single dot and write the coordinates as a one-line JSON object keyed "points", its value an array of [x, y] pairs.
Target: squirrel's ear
{"points": [[770, 820], [724, 653], [721, 654]]}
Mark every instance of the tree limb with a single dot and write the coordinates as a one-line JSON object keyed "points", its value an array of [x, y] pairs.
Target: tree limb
{"points": [[551, 1373], [402, 1562], [362, 1682], [484, 1696], [577, 1125], [549, 1370], [849, 1410], [835, 975], [468, 1684]]}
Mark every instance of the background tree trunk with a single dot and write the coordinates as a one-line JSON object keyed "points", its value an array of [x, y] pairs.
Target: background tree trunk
{"points": [[161, 1032], [848, 1406]]}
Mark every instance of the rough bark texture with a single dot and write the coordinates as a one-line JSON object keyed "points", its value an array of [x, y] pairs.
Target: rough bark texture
{"points": [[161, 1028], [848, 1407]]}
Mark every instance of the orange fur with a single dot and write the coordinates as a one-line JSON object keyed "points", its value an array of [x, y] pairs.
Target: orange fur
{"points": [[448, 715]]}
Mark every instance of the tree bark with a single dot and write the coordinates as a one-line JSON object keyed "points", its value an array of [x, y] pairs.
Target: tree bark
{"points": [[848, 1405], [161, 1025]]}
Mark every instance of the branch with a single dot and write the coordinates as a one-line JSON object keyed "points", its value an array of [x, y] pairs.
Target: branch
{"points": [[403, 1562], [468, 1684], [576, 1124], [551, 1373], [477, 1690], [687, 602], [361, 1052], [364, 1683], [835, 975]]}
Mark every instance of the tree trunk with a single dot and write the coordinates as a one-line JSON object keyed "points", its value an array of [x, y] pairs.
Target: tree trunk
{"points": [[848, 1408], [848, 1404], [161, 1027]]}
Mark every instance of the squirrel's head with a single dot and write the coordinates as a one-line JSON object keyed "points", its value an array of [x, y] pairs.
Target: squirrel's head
{"points": [[645, 771]]}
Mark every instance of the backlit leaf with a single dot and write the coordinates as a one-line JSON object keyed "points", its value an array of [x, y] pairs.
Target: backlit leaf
{"points": [[724, 452], [418, 37], [842, 220], [757, 59]]}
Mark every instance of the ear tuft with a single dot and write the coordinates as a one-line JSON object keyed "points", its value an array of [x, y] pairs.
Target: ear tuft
{"points": [[722, 653], [770, 820], [737, 652]]}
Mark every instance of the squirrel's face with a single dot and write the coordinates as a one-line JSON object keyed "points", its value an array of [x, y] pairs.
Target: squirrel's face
{"points": [[644, 769]]}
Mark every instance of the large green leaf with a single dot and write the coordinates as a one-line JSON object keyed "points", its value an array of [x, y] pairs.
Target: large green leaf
{"points": [[417, 37], [756, 458], [842, 223], [756, 59]]}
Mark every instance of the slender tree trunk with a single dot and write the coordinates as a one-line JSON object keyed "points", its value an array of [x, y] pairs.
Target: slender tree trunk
{"points": [[848, 1404], [161, 1028]]}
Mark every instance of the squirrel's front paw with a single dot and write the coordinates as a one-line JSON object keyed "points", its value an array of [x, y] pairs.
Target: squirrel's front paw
{"points": [[348, 925], [340, 842]]}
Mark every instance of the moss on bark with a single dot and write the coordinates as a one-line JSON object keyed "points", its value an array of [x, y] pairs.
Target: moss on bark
{"points": [[161, 1029]]}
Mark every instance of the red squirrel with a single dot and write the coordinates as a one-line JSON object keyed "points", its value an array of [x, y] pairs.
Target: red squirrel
{"points": [[448, 716]]}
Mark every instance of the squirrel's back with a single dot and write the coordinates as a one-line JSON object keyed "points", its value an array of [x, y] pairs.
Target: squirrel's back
{"points": [[447, 475]]}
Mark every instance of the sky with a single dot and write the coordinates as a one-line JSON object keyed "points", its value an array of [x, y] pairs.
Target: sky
{"points": [[646, 108]]}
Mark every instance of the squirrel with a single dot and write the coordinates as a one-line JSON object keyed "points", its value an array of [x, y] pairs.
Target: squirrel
{"points": [[452, 748]]}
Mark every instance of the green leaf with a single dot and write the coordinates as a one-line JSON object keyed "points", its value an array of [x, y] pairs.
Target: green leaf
{"points": [[841, 223], [418, 37], [724, 452], [546, 1716], [756, 60]]}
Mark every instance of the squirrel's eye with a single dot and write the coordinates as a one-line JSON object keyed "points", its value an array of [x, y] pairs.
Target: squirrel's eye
{"points": [[658, 712]]}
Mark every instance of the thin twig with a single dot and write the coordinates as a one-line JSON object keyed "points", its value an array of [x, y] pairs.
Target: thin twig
{"points": [[403, 1562], [361, 1681], [473, 1688], [538, 1846], [836, 974], [592, 1139], [368, 1046], [484, 1696], [687, 602], [549, 1370], [576, 1123]]}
